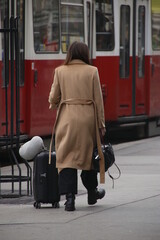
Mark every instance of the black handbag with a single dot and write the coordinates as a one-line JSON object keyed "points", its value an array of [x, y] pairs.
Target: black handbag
{"points": [[109, 159]]}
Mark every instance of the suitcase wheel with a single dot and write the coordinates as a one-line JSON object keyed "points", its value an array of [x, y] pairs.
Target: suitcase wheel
{"points": [[55, 205], [37, 205]]}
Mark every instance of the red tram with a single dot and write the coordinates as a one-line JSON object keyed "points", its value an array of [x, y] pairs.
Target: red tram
{"points": [[124, 41]]}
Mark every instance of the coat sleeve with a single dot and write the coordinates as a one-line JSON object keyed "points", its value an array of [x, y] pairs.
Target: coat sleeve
{"points": [[98, 98], [55, 93]]}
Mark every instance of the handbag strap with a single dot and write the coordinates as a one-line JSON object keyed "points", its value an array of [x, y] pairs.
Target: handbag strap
{"points": [[74, 101], [114, 178], [51, 143]]}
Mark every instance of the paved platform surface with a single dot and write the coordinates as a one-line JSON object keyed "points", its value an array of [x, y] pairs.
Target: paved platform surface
{"points": [[130, 211]]}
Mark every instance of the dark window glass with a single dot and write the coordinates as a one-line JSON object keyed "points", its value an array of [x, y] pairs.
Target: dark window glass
{"points": [[72, 25], [72, 1], [104, 25], [155, 24], [88, 23], [46, 25], [141, 41], [4, 42], [124, 41]]}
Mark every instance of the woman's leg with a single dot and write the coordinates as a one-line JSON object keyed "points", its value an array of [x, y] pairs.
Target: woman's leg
{"points": [[68, 186], [68, 181], [89, 180]]}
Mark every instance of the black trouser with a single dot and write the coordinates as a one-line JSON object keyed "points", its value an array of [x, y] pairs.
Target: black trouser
{"points": [[68, 182]]}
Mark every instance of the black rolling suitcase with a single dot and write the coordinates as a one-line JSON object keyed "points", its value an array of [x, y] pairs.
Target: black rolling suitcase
{"points": [[45, 180]]}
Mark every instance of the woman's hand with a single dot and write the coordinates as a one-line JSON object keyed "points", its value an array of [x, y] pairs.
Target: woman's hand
{"points": [[103, 131]]}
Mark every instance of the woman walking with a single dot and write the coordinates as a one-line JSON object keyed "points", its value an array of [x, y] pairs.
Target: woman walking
{"points": [[76, 93]]}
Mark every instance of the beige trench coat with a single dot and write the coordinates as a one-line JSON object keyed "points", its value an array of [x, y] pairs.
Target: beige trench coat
{"points": [[75, 128]]}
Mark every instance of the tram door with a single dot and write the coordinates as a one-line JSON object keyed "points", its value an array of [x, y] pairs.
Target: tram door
{"points": [[132, 42], [11, 69], [140, 62]]}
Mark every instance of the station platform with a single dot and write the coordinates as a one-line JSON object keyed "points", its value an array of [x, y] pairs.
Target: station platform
{"points": [[130, 211]]}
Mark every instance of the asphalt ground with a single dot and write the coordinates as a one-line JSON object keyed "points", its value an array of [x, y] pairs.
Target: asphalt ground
{"points": [[129, 211]]}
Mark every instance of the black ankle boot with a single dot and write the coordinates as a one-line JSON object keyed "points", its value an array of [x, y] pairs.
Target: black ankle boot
{"points": [[70, 203], [94, 195]]}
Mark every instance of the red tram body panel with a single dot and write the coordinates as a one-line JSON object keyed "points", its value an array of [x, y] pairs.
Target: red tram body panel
{"points": [[109, 80], [154, 86], [38, 116]]}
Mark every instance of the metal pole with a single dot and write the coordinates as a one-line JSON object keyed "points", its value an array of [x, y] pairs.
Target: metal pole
{"points": [[6, 66], [17, 83], [134, 61], [12, 70]]}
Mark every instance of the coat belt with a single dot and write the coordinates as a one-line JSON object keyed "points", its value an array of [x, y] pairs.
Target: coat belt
{"points": [[76, 101]]}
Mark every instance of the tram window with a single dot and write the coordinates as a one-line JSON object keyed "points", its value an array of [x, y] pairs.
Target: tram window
{"points": [[104, 25], [72, 1], [155, 25], [2, 65], [46, 25], [124, 41], [141, 41], [72, 24], [89, 24], [4, 23]]}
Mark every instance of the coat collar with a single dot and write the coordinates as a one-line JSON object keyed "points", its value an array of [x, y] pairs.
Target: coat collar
{"points": [[76, 61]]}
